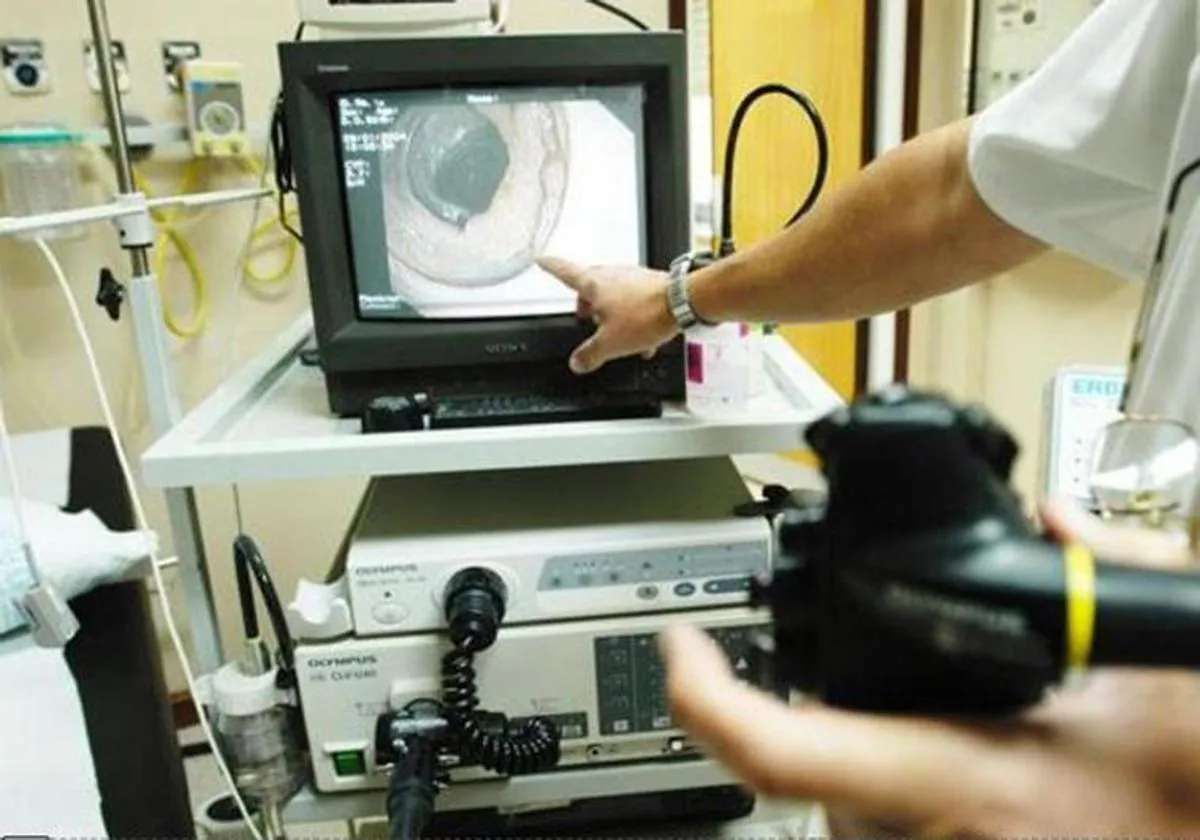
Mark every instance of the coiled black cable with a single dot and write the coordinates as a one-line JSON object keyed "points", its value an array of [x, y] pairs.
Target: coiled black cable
{"points": [[535, 749], [727, 245]]}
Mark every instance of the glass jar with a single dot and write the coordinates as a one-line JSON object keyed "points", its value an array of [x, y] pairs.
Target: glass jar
{"points": [[40, 172]]}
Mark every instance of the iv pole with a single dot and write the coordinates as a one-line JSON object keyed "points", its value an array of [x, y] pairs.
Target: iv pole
{"points": [[137, 237]]}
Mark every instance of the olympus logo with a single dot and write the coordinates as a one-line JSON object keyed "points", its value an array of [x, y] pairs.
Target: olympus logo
{"points": [[333, 68], [342, 661], [961, 612], [394, 569], [506, 348]]}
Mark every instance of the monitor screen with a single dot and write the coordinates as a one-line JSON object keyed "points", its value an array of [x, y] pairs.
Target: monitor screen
{"points": [[452, 194]]}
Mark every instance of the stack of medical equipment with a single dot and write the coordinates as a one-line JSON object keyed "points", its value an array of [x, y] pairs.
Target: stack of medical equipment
{"points": [[487, 626]]}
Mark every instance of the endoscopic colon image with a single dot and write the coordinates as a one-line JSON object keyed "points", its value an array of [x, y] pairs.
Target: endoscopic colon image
{"points": [[473, 194]]}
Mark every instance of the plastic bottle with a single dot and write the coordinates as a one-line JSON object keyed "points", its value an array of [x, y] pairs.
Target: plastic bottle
{"points": [[40, 173], [724, 365]]}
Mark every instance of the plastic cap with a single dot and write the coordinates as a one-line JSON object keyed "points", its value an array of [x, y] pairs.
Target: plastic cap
{"points": [[239, 695], [36, 135]]}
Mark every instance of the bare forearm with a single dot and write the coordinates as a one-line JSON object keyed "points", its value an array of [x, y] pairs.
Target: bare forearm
{"points": [[909, 227]]}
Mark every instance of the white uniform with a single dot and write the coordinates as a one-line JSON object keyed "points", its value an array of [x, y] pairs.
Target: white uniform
{"points": [[1082, 157]]}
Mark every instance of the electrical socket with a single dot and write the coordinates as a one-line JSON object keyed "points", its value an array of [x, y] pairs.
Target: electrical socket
{"points": [[23, 61], [92, 67], [175, 54]]}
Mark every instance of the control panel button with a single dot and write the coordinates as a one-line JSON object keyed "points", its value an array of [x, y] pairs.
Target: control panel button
{"points": [[647, 591], [683, 590], [389, 614], [349, 763], [727, 586]]}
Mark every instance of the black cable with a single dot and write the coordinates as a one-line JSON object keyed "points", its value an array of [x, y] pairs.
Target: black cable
{"points": [[1149, 304], [247, 551], [535, 749], [281, 154], [727, 245], [245, 594], [621, 13], [412, 790]]}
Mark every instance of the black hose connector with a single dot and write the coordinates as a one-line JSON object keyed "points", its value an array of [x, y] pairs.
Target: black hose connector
{"points": [[413, 789], [475, 600]]}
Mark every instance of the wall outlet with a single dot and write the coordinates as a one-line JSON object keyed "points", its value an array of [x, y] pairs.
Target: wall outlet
{"points": [[92, 68], [23, 61], [175, 54]]}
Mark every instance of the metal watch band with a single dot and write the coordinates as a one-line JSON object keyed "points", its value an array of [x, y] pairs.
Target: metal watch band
{"points": [[678, 300]]}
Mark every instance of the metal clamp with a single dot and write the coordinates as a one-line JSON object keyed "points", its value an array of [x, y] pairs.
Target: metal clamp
{"points": [[136, 229]]}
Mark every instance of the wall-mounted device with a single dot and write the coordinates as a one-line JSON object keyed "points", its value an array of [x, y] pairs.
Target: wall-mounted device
{"points": [[23, 62], [434, 172], [216, 109], [174, 55], [120, 63], [357, 19], [1012, 38], [1081, 400]]}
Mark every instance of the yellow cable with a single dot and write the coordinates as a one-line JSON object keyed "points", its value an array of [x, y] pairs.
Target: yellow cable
{"points": [[289, 259], [170, 234], [1079, 568], [265, 229]]}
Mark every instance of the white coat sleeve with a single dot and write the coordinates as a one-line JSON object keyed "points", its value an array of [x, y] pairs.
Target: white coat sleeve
{"points": [[1077, 155]]}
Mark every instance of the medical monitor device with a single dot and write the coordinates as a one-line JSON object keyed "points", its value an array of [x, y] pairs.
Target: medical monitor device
{"points": [[340, 19], [432, 173]]}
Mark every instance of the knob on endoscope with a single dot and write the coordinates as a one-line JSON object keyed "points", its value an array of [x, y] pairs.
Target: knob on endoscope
{"points": [[989, 440]]}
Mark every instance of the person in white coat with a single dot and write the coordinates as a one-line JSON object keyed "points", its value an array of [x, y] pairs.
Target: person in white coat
{"points": [[1094, 155]]}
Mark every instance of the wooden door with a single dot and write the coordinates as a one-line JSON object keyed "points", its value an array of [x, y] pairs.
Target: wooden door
{"points": [[818, 47]]}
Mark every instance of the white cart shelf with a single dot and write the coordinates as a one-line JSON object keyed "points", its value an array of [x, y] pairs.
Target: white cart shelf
{"points": [[271, 422]]}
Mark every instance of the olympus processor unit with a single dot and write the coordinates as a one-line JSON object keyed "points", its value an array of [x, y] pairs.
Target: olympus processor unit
{"points": [[510, 618], [601, 682], [566, 543]]}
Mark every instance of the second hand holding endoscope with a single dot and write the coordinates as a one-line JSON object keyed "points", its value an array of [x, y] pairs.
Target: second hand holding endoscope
{"points": [[920, 585]]}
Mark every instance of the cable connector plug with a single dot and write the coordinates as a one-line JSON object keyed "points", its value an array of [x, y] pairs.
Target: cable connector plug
{"points": [[411, 742], [51, 621]]}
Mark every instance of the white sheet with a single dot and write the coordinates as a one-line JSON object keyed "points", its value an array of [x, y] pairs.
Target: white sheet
{"points": [[43, 466], [47, 781]]}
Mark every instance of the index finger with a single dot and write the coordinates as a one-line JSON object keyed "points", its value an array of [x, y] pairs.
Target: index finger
{"points": [[912, 770], [571, 274]]}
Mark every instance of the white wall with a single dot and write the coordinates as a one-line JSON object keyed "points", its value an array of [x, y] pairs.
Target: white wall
{"points": [[298, 524]]}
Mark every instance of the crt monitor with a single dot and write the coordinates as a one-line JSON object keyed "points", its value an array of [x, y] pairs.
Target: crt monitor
{"points": [[431, 175]]}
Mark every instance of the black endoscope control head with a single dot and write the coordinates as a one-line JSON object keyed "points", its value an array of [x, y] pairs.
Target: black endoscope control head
{"points": [[899, 592]]}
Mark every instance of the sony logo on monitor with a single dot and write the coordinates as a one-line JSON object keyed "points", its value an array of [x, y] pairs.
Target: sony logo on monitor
{"points": [[506, 348]]}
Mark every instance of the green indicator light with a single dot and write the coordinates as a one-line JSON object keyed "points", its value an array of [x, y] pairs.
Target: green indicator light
{"points": [[350, 763]]}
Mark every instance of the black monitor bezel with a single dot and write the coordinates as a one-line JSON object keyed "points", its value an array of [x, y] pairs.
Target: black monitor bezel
{"points": [[315, 72]]}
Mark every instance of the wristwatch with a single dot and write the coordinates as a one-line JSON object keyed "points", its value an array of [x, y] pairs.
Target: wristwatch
{"points": [[678, 299]]}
